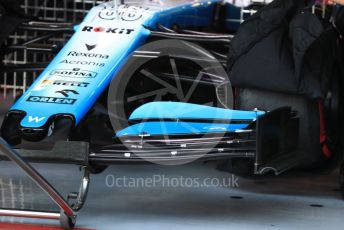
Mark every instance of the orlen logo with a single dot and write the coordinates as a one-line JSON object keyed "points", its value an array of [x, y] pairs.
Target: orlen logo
{"points": [[107, 30]]}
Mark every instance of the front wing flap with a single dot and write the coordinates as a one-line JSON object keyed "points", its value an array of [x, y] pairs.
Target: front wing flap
{"points": [[270, 141]]}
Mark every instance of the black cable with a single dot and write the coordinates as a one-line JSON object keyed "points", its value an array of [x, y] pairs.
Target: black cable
{"points": [[165, 29], [219, 55], [29, 27], [203, 33], [193, 32], [47, 26], [195, 38], [38, 39]]}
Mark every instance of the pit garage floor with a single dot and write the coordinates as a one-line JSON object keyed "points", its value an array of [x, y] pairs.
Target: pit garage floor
{"points": [[186, 197], [289, 202]]}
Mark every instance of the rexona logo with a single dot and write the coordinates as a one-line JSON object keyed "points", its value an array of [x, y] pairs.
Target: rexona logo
{"points": [[51, 100], [65, 83], [88, 55], [74, 73], [100, 29]]}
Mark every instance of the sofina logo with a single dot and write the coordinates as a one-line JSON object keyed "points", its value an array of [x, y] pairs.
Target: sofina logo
{"points": [[73, 73]]}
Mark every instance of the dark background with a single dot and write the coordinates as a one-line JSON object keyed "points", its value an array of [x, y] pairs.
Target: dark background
{"points": [[4, 106]]}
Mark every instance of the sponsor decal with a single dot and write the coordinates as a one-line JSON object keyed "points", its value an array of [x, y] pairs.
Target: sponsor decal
{"points": [[35, 119], [51, 100], [108, 14], [132, 13], [100, 29], [90, 47], [89, 63], [124, 12], [87, 55], [65, 83], [66, 92], [73, 73]]}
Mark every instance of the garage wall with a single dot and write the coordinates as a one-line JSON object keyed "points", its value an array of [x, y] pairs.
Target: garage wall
{"points": [[73, 11]]}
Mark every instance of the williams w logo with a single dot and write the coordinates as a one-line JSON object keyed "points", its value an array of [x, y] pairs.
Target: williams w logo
{"points": [[36, 119]]}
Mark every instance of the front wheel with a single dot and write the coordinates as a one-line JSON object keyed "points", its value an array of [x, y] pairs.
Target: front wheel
{"points": [[168, 70]]}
